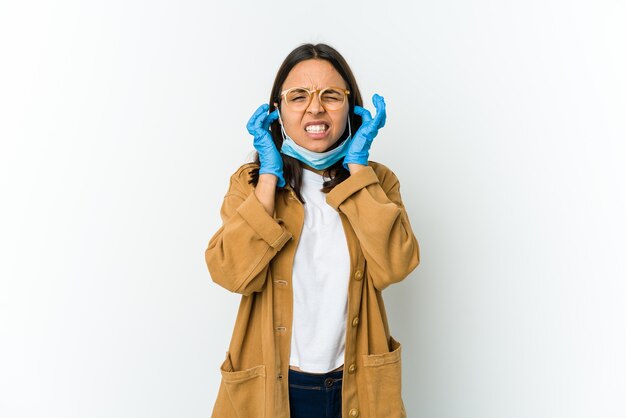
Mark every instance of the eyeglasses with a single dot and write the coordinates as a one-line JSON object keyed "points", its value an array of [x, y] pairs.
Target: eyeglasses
{"points": [[299, 98]]}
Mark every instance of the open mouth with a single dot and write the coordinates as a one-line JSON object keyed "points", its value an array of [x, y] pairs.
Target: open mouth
{"points": [[317, 131]]}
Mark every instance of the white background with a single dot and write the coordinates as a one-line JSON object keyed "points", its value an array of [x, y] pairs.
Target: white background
{"points": [[121, 122]]}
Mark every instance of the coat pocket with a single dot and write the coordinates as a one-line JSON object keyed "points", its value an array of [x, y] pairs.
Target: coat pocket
{"points": [[384, 382], [245, 389]]}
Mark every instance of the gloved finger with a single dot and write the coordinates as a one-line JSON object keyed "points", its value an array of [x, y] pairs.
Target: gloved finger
{"points": [[255, 121], [365, 114], [268, 119], [381, 110]]}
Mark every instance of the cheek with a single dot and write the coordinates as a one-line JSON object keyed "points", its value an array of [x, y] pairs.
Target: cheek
{"points": [[341, 123], [292, 126], [291, 121]]}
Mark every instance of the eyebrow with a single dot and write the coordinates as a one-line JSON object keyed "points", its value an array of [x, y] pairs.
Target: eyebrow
{"points": [[311, 88]]}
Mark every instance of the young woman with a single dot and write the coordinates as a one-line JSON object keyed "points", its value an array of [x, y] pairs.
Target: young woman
{"points": [[312, 233]]}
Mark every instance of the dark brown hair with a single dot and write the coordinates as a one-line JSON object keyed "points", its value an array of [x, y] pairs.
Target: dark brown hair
{"points": [[292, 168]]}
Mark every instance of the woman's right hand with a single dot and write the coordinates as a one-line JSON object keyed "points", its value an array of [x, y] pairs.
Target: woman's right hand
{"points": [[258, 126]]}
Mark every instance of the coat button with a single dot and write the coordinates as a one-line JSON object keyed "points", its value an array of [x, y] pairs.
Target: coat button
{"points": [[355, 321], [358, 275], [354, 412], [352, 368]]}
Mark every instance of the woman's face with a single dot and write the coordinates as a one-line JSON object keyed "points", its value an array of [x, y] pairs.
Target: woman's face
{"points": [[314, 74]]}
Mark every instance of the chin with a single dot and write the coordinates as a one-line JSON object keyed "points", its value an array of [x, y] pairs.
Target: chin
{"points": [[318, 146]]}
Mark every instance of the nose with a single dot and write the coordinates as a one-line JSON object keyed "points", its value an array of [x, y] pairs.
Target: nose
{"points": [[316, 105]]}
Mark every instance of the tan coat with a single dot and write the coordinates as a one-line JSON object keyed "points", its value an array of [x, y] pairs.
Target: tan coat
{"points": [[252, 254]]}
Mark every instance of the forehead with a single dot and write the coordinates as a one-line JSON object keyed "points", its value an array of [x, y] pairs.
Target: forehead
{"points": [[313, 73]]}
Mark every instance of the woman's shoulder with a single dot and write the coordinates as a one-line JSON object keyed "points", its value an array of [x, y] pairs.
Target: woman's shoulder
{"points": [[241, 178], [244, 170], [383, 172]]}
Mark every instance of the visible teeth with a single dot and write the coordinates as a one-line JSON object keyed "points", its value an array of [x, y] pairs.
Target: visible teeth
{"points": [[316, 128]]}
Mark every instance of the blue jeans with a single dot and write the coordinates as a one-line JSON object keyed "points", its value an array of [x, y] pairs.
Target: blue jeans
{"points": [[315, 395]]}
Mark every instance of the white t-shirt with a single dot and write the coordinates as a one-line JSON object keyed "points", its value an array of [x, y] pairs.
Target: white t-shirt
{"points": [[321, 272]]}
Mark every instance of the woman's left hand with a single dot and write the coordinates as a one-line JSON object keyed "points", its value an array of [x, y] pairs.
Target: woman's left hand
{"points": [[359, 149]]}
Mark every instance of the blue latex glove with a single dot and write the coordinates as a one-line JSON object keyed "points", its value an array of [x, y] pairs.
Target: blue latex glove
{"points": [[258, 126], [359, 149]]}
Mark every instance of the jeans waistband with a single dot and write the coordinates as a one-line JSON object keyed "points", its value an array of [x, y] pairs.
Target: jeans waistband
{"points": [[312, 379]]}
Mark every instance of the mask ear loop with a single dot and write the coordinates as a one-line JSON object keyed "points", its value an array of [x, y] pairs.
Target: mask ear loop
{"points": [[282, 128], [349, 128], [279, 118]]}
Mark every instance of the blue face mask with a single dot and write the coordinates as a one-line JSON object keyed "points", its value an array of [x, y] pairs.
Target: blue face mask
{"points": [[317, 160]]}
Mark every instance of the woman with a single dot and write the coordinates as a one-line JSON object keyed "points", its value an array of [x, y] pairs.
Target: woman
{"points": [[311, 236]]}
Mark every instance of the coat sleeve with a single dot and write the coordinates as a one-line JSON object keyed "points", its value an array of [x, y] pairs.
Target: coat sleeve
{"points": [[375, 211], [239, 253]]}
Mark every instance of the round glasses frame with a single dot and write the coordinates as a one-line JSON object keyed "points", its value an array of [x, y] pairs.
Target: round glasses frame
{"points": [[319, 94]]}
